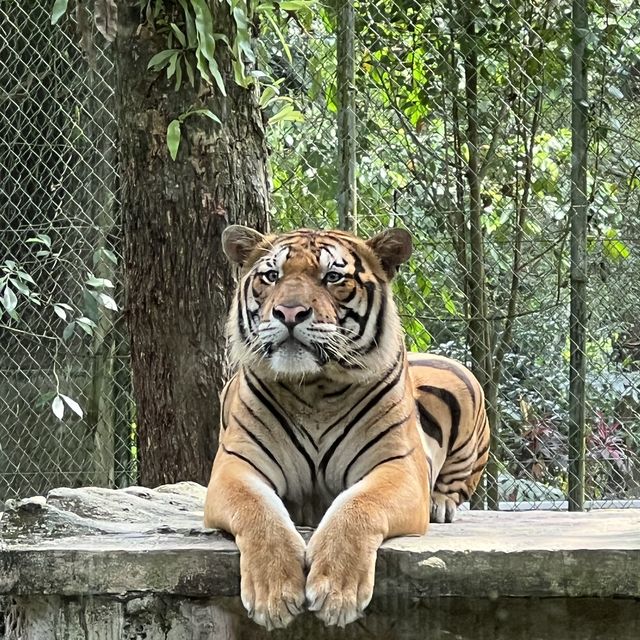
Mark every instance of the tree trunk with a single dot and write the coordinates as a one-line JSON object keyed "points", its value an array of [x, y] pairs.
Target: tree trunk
{"points": [[178, 282]]}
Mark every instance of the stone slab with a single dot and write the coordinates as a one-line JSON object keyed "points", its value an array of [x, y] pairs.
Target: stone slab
{"points": [[92, 542]]}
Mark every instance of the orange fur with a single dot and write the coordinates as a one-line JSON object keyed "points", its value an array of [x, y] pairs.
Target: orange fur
{"points": [[328, 423]]}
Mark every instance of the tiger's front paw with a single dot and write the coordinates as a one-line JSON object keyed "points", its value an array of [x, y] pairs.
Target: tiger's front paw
{"points": [[272, 579], [341, 577]]}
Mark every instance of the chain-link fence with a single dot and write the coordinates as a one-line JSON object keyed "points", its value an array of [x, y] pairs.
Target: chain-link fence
{"points": [[59, 258], [462, 123], [441, 88]]}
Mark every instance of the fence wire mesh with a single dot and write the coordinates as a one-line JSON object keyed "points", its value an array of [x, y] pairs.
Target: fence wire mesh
{"points": [[59, 257], [438, 88], [437, 84]]}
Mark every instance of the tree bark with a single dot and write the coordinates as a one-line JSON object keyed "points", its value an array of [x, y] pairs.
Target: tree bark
{"points": [[178, 282]]}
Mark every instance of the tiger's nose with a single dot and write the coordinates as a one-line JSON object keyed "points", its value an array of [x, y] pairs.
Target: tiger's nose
{"points": [[290, 316]]}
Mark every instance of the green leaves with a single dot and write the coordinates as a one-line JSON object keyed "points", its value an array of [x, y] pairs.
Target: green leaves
{"points": [[276, 29], [19, 289], [174, 133], [269, 93], [205, 53], [60, 310], [99, 282], [615, 92], [107, 302], [287, 114], [242, 43], [178, 34], [72, 404], [100, 297], [40, 238], [16, 283], [614, 248], [58, 10], [59, 402], [86, 324], [296, 5], [192, 45], [448, 302], [9, 299], [57, 406], [173, 138], [207, 113], [68, 331], [161, 59], [189, 25]]}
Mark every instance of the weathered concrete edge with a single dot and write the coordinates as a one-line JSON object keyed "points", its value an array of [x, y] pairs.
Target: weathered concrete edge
{"points": [[404, 574]]}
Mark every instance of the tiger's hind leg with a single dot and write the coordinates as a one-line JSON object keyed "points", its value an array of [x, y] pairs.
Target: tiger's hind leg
{"points": [[447, 497], [457, 481]]}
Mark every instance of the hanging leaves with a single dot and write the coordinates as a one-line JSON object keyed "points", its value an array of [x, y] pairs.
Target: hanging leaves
{"points": [[174, 133], [58, 10], [73, 405], [192, 45], [9, 299], [105, 14], [57, 406], [173, 138]]}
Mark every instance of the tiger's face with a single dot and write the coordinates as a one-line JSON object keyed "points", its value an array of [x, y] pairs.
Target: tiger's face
{"points": [[315, 303]]}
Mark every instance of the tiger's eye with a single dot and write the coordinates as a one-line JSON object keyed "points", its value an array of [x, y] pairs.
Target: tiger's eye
{"points": [[270, 276], [332, 277]]}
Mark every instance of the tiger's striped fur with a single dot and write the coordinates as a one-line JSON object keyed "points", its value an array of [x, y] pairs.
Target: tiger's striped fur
{"points": [[329, 423]]}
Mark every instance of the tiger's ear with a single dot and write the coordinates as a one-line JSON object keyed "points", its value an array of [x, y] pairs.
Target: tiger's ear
{"points": [[239, 241], [392, 247]]}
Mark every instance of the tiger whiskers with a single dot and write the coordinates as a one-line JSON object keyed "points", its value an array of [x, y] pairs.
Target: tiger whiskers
{"points": [[341, 354]]}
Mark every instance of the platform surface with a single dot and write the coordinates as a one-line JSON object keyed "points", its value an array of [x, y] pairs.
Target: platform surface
{"points": [[98, 541]]}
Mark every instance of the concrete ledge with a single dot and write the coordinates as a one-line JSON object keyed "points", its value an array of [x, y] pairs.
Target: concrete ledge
{"points": [[139, 553], [98, 541]]}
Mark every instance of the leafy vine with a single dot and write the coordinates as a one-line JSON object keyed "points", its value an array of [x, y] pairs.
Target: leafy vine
{"points": [[191, 45]]}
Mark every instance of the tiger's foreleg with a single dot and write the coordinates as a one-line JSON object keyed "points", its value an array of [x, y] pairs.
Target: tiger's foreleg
{"points": [[272, 580], [391, 500]]}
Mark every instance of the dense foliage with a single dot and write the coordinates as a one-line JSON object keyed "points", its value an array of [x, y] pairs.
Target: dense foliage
{"points": [[416, 120]]}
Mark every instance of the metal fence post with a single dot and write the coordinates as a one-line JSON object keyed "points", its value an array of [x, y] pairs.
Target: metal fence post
{"points": [[578, 364]]}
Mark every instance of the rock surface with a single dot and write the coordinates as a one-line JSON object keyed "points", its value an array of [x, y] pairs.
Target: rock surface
{"points": [[117, 555]]}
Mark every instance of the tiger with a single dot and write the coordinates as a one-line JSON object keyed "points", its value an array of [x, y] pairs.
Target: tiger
{"points": [[329, 423]]}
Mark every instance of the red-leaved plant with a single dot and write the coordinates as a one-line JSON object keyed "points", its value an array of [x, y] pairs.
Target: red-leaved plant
{"points": [[606, 442]]}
